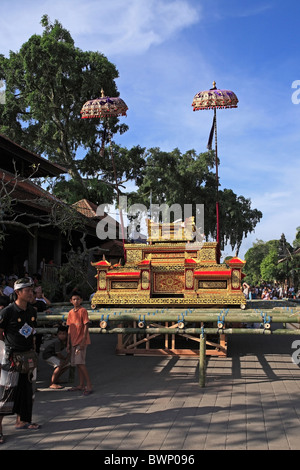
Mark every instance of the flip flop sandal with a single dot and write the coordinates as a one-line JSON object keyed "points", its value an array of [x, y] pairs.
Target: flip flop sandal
{"points": [[30, 426]]}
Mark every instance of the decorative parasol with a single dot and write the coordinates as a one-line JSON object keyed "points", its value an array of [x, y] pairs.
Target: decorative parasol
{"points": [[103, 108], [215, 99]]}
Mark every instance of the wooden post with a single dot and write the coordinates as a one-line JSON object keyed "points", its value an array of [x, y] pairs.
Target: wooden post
{"points": [[166, 337], [202, 360], [32, 251]]}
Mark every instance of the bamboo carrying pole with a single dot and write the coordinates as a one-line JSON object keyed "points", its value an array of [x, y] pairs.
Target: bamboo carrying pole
{"points": [[275, 317], [183, 331]]}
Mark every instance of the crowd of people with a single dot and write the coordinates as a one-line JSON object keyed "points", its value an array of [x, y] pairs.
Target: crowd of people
{"points": [[266, 291], [20, 301], [40, 302]]}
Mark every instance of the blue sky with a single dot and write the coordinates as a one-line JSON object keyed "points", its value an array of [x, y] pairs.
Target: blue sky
{"points": [[168, 50]]}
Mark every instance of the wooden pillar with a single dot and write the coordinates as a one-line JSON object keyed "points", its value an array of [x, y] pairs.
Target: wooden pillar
{"points": [[57, 251], [32, 252]]}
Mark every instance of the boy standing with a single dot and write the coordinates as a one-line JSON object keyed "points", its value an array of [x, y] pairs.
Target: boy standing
{"points": [[78, 339], [55, 354]]}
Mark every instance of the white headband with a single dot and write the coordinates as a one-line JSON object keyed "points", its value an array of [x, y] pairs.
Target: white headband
{"points": [[22, 283]]}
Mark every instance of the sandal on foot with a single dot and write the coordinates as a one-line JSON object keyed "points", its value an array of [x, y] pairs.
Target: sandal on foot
{"points": [[87, 392], [75, 389], [56, 387], [31, 426]]}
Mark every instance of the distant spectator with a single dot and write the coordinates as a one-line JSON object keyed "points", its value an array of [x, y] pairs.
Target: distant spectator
{"points": [[41, 302], [246, 288], [8, 290], [265, 294]]}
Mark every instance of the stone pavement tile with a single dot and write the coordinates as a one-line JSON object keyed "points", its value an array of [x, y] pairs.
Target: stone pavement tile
{"points": [[178, 432], [251, 401], [197, 433], [155, 436], [236, 437], [216, 434]]}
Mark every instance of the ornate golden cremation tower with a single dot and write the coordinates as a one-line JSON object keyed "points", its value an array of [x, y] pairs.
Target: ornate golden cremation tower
{"points": [[171, 270]]}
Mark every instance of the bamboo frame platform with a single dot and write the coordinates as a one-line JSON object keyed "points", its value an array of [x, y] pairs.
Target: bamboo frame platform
{"points": [[167, 331], [132, 342]]}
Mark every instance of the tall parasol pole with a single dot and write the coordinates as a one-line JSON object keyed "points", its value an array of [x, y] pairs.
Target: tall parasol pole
{"points": [[213, 99], [217, 179], [103, 108], [118, 194]]}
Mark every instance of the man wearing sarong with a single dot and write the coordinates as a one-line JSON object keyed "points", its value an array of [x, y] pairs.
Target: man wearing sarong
{"points": [[17, 330]]}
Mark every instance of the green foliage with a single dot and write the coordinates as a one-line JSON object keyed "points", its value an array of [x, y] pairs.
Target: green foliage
{"points": [[296, 242], [237, 217], [253, 258], [269, 266], [73, 191], [177, 178], [270, 261]]}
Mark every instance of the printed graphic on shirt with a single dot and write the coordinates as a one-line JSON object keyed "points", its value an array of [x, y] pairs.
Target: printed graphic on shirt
{"points": [[26, 330]]}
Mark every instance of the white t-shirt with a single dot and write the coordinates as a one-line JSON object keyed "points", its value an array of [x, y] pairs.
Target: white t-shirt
{"points": [[8, 290]]}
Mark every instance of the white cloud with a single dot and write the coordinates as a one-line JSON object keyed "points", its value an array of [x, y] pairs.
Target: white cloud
{"points": [[134, 28], [239, 10], [114, 27]]}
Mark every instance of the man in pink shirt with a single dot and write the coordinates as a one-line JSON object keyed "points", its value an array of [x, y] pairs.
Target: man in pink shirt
{"points": [[78, 339]]}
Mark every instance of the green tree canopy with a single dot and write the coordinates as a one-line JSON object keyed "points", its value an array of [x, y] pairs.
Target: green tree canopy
{"points": [[269, 266], [296, 242], [177, 178], [263, 261], [253, 258]]}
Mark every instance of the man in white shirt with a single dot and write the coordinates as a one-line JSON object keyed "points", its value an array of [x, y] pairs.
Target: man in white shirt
{"points": [[8, 290]]}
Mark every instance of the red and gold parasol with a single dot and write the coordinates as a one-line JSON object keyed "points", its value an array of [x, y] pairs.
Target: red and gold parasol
{"points": [[106, 107], [215, 99]]}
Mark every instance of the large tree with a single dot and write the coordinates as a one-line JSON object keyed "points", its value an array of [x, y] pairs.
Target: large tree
{"points": [[269, 261], [188, 178], [47, 83]]}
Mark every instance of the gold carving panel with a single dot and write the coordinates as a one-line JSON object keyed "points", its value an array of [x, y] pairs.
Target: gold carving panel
{"points": [[167, 255], [102, 280], [235, 279], [212, 285], [134, 256], [124, 284], [168, 282], [189, 279], [145, 280]]}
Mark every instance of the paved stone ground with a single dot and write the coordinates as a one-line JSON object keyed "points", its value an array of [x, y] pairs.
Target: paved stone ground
{"points": [[251, 401]]}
